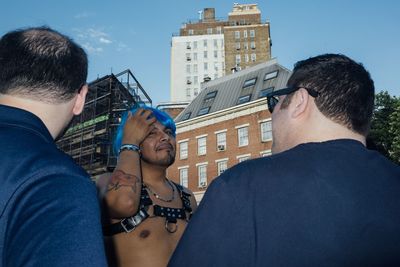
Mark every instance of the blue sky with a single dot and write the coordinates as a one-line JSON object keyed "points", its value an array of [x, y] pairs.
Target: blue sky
{"points": [[136, 34]]}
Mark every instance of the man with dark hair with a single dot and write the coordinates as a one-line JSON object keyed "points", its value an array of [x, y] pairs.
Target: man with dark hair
{"points": [[321, 199], [49, 213], [147, 213]]}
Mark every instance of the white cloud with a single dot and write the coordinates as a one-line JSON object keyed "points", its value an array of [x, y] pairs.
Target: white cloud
{"points": [[104, 40], [93, 39]]}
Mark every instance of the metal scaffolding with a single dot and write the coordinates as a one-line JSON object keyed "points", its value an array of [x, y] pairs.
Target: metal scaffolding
{"points": [[89, 138]]}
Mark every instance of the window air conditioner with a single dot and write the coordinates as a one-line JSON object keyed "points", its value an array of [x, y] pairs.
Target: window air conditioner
{"points": [[220, 147], [203, 184]]}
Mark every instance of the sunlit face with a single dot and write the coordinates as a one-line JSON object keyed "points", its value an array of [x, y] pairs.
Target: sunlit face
{"points": [[159, 146], [280, 119]]}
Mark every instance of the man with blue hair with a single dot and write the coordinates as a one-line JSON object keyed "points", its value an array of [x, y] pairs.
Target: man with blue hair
{"points": [[147, 212]]}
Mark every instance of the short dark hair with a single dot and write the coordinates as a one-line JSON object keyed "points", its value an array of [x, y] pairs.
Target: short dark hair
{"points": [[346, 90], [41, 64]]}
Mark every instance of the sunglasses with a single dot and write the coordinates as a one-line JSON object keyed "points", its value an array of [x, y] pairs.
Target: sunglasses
{"points": [[272, 97]]}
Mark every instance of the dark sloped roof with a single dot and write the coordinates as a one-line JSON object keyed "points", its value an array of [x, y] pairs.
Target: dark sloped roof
{"points": [[230, 88]]}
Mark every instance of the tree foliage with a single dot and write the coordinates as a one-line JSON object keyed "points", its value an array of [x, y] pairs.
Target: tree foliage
{"points": [[385, 126]]}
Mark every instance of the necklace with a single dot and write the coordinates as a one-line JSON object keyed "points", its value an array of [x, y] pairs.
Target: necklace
{"points": [[158, 196]]}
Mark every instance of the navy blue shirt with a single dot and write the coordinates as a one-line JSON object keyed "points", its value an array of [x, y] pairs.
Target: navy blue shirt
{"points": [[49, 213], [319, 204]]}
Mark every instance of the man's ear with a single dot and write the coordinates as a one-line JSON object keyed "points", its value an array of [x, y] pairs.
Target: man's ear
{"points": [[299, 102], [80, 100]]}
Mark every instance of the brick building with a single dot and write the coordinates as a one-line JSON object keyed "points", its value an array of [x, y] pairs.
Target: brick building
{"points": [[210, 48], [228, 122]]}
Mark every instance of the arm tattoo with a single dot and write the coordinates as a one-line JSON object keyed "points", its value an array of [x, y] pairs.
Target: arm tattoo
{"points": [[119, 179]]}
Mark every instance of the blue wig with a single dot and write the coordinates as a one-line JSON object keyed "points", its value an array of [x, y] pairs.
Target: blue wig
{"points": [[161, 117]]}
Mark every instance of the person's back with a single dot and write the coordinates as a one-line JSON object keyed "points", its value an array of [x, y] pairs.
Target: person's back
{"points": [[321, 199], [49, 213]]}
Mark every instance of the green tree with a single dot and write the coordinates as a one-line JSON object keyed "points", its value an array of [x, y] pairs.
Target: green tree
{"points": [[385, 126], [394, 130]]}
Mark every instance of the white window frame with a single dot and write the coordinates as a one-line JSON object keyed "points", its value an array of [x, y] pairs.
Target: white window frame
{"points": [[222, 165], [266, 130], [241, 158], [183, 152], [266, 153], [245, 34], [202, 174], [184, 176], [243, 136], [237, 34], [252, 33], [221, 140], [201, 145]]}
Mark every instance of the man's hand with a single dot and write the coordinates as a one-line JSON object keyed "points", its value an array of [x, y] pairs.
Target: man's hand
{"points": [[138, 126]]}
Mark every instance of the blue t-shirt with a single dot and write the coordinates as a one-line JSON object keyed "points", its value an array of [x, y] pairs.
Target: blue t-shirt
{"points": [[49, 213], [333, 203]]}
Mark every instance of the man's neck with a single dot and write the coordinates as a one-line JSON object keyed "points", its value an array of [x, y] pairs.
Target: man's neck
{"points": [[53, 116], [152, 174]]}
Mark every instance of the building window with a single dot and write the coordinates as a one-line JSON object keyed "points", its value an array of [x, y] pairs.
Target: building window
{"points": [[202, 170], [215, 76], [188, 80], [203, 111], [271, 75], [205, 55], [215, 54], [195, 79], [246, 57], [252, 33], [245, 33], [221, 141], [243, 136], [191, 32], [219, 30], [183, 177], [205, 66], [188, 45], [249, 82], [253, 57], [265, 153], [246, 46], [216, 66], [237, 59], [183, 150], [266, 131], [205, 43], [195, 44], [194, 56], [237, 34], [196, 91], [253, 45], [222, 166], [237, 46], [243, 158], [187, 68], [243, 99], [264, 92], [201, 145], [209, 31], [195, 68], [188, 92], [188, 57], [210, 95], [215, 43], [186, 116]]}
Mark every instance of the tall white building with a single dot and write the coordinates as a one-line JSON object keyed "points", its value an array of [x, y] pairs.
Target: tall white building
{"points": [[194, 59]]}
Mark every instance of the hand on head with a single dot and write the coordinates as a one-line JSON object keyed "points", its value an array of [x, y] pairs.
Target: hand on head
{"points": [[138, 126]]}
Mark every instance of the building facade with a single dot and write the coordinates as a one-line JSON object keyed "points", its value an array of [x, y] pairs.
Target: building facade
{"points": [[227, 123], [210, 48]]}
